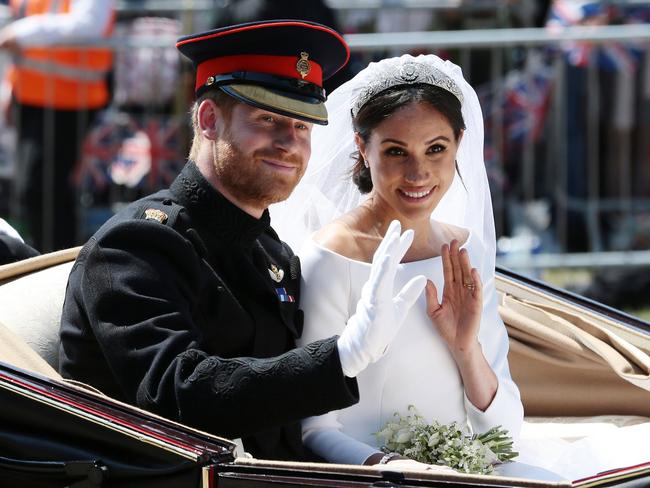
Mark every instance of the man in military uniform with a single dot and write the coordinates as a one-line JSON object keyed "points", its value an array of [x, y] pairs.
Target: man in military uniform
{"points": [[185, 303]]}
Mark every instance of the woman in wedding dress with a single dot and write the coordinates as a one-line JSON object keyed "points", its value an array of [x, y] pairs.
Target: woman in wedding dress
{"points": [[415, 130], [418, 130]]}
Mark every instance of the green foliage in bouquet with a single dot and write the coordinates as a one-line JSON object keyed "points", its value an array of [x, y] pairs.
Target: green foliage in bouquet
{"points": [[448, 445]]}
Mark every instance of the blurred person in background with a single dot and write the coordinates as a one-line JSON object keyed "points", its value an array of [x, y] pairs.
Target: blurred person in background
{"points": [[622, 94], [52, 95], [601, 98]]}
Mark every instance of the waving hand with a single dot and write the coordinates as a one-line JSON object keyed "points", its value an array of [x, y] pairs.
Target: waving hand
{"points": [[458, 317]]}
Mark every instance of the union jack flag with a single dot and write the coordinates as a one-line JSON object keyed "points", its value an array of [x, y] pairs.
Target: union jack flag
{"points": [[520, 109], [136, 152], [613, 56]]}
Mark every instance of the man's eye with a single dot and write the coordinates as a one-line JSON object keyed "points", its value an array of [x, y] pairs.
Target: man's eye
{"points": [[301, 126], [267, 118]]}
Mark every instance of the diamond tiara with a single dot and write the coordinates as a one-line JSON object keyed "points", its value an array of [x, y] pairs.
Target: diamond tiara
{"points": [[409, 73]]}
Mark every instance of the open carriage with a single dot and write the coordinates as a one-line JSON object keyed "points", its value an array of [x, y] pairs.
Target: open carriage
{"points": [[582, 368]]}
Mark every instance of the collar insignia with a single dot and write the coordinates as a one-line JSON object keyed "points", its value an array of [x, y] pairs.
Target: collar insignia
{"points": [[303, 67], [276, 273], [155, 214]]}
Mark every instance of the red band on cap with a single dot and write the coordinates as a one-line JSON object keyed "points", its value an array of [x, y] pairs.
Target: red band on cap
{"points": [[274, 65], [288, 23]]}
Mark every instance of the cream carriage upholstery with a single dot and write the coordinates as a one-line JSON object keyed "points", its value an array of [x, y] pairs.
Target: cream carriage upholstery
{"points": [[31, 298]]}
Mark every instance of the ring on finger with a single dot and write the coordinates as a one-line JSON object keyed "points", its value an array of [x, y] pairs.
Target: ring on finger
{"points": [[470, 286]]}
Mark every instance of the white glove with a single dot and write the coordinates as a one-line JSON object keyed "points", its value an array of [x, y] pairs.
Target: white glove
{"points": [[379, 314]]}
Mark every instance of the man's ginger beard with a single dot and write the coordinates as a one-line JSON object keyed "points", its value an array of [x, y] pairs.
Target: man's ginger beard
{"points": [[247, 178]]}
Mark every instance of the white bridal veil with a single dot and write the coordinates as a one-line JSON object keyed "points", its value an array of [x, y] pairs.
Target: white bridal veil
{"points": [[326, 190]]}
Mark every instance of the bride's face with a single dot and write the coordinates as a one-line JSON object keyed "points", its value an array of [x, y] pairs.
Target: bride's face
{"points": [[412, 160]]}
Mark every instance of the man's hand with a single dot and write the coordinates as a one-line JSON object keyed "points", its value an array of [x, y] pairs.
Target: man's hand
{"points": [[379, 313]]}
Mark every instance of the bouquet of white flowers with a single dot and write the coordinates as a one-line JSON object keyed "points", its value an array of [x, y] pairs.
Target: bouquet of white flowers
{"points": [[448, 445]]}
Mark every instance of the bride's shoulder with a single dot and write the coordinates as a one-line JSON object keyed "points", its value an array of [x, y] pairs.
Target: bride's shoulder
{"points": [[336, 237], [444, 233], [342, 237]]}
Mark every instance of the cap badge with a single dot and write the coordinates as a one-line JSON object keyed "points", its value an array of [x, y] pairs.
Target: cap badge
{"points": [[303, 67], [276, 273], [155, 214], [209, 81]]}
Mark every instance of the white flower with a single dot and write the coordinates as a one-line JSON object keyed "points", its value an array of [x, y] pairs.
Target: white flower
{"points": [[403, 435], [433, 439], [411, 436]]}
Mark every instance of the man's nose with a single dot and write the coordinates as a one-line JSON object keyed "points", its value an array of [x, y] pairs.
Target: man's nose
{"points": [[286, 137]]}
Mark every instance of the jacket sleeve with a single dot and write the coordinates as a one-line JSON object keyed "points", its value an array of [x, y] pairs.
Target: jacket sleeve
{"points": [[87, 19], [139, 286], [326, 300]]}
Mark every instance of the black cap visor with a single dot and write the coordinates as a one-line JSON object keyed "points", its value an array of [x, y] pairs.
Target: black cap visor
{"points": [[275, 102], [289, 97]]}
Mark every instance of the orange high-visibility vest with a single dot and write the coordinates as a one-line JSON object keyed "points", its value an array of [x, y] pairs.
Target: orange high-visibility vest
{"points": [[69, 78]]}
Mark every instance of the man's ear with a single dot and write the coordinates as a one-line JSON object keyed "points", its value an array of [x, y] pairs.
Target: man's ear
{"points": [[210, 119]]}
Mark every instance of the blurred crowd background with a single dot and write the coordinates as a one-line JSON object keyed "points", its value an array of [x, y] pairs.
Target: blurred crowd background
{"points": [[564, 87]]}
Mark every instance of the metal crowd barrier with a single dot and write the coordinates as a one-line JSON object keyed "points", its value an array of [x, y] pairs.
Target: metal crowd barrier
{"points": [[544, 189]]}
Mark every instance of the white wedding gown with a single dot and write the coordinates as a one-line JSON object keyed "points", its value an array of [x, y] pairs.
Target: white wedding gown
{"points": [[419, 370]]}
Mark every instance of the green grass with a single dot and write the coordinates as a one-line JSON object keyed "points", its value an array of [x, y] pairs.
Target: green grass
{"points": [[574, 277], [642, 313], [567, 277]]}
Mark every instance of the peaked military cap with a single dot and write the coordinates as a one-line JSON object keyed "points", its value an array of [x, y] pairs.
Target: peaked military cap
{"points": [[276, 65]]}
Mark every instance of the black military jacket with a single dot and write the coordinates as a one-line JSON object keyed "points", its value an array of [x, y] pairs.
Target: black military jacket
{"points": [[184, 305]]}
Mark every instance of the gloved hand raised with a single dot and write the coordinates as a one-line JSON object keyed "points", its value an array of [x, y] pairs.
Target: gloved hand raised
{"points": [[379, 313]]}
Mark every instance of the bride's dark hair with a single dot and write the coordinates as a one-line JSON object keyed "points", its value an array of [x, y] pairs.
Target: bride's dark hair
{"points": [[383, 105]]}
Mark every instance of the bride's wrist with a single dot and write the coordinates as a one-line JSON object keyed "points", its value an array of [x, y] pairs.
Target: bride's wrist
{"points": [[467, 355]]}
